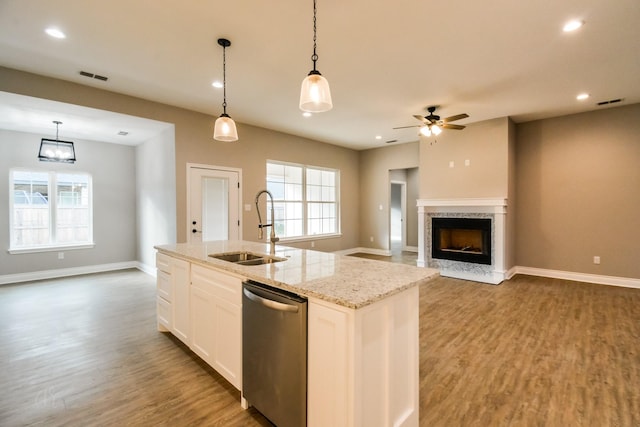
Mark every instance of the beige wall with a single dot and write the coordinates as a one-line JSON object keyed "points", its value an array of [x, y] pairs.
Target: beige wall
{"points": [[413, 191], [194, 143], [578, 192], [484, 144], [375, 165], [254, 147]]}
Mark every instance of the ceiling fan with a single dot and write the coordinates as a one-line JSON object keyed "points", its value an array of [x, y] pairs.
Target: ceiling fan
{"points": [[433, 124]]}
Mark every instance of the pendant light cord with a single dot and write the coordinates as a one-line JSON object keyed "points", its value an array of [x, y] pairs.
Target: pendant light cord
{"points": [[224, 79], [314, 57]]}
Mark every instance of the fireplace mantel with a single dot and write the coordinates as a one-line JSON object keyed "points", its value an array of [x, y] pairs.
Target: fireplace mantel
{"points": [[489, 205], [495, 208]]}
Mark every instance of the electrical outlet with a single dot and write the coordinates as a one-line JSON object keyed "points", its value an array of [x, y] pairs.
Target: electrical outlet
{"points": [[452, 164], [596, 260], [313, 244], [371, 238], [60, 255]]}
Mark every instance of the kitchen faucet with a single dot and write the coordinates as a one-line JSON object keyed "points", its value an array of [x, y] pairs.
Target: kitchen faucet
{"points": [[272, 237]]}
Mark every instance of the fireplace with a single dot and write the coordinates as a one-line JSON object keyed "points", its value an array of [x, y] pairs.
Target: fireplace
{"points": [[462, 239], [472, 241]]}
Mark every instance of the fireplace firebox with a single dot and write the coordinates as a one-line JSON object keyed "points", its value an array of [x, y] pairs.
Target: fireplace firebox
{"points": [[461, 239]]}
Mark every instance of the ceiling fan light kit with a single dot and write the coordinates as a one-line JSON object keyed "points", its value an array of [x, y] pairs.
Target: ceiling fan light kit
{"points": [[315, 95], [225, 128], [433, 125]]}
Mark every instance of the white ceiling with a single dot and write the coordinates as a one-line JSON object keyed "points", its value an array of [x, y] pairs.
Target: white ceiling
{"points": [[385, 60]]}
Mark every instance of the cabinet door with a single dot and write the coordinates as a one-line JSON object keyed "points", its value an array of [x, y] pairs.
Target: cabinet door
{"points": [[227, 355], [181, 283], [202, 319], [216, 320]]}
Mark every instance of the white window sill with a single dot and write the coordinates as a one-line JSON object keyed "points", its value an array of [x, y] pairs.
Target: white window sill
{"points": [[309, 238], [33, 250]]}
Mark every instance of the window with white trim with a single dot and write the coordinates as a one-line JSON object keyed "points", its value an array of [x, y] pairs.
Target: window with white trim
{"points": [[306, 199], [49, 210]]}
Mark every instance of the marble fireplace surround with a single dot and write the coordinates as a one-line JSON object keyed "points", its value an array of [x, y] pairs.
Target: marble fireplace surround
{"points": [[494, 208]]}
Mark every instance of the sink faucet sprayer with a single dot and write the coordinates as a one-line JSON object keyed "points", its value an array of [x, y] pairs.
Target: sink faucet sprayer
{"points": [[272, 237]]}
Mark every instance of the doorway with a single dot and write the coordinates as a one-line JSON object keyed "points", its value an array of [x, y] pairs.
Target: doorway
{"points": [[397, 216], [213, 203]]}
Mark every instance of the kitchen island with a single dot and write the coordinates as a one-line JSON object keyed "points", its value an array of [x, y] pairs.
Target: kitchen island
{"points": [[363, 338]]}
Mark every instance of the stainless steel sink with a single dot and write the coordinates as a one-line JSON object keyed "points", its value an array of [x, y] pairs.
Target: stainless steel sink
{"points": [[247, 258]]}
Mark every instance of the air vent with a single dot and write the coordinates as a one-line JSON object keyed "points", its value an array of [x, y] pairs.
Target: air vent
{"points": [[391, 140], [94, 76], [123, 133], [611, 101]]}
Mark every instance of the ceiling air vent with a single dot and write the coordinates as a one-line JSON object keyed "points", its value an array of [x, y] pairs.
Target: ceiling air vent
{"points": [[94, 76], [611, 101], [391, 141]]}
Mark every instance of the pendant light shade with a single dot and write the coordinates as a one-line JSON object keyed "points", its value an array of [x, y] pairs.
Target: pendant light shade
{"points": [[315, 95], [54, 150], [225, 128]]}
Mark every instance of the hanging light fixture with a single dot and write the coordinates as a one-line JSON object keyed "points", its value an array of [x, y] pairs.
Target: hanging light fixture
{"points": [[315, 96], [54, 150], [225, 127]]}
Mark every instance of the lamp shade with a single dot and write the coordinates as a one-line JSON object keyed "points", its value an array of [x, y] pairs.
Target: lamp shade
{"points": [[315, 95], [53, 150], [225, 129]]}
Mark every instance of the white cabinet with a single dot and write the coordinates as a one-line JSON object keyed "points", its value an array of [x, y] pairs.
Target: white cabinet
{"points": [[216, 321], [164, 292], [172, 300], [181, 299], [203, 308], [363, 365]]}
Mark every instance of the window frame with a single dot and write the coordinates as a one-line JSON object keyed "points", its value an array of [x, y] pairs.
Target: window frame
{"points": [[53, 208], [305, 214]]}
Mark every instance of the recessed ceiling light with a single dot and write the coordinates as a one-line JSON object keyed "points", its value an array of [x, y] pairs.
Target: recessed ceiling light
{"points": [[217, 84], [378, 137], [56, 33], [582, 96], [306, 114], [572, 25]]}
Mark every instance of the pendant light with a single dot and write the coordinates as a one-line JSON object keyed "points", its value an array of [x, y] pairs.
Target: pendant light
{"points": [[315, 96], [54, 150], [225, 127]]}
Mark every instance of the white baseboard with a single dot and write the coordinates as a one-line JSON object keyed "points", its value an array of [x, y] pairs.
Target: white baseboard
{"points": [[149, 269], [63, 272], [382, 252], [626, 282]]}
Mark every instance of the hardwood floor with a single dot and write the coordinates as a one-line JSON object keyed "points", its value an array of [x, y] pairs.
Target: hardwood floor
{"points": [[530, 352]]}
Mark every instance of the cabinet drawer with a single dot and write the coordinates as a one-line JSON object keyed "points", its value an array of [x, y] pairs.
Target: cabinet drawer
{"points": [[163, 310], [163, 262], [163, 282], [221, 285]]}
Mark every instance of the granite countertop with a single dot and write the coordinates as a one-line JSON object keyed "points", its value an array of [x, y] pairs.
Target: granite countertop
{"points": [[347, 281]]}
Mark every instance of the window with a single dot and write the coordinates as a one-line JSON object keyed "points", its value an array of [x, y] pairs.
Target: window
{"points": [[306, 199], [50, 210]]}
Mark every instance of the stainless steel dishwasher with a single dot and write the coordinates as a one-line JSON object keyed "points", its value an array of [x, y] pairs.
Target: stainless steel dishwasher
{"points": [[274, 353]]}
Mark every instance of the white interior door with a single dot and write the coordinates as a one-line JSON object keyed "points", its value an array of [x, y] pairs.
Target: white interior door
{"points": [[213, 204]]}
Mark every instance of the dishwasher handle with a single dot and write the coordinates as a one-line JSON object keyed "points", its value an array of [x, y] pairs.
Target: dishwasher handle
{"points": [[275, 305]]}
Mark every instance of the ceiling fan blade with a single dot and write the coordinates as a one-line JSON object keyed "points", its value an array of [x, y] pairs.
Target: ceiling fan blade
{"points": [[405, 127], [456, 117], [450, 126], [422, 119]]}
